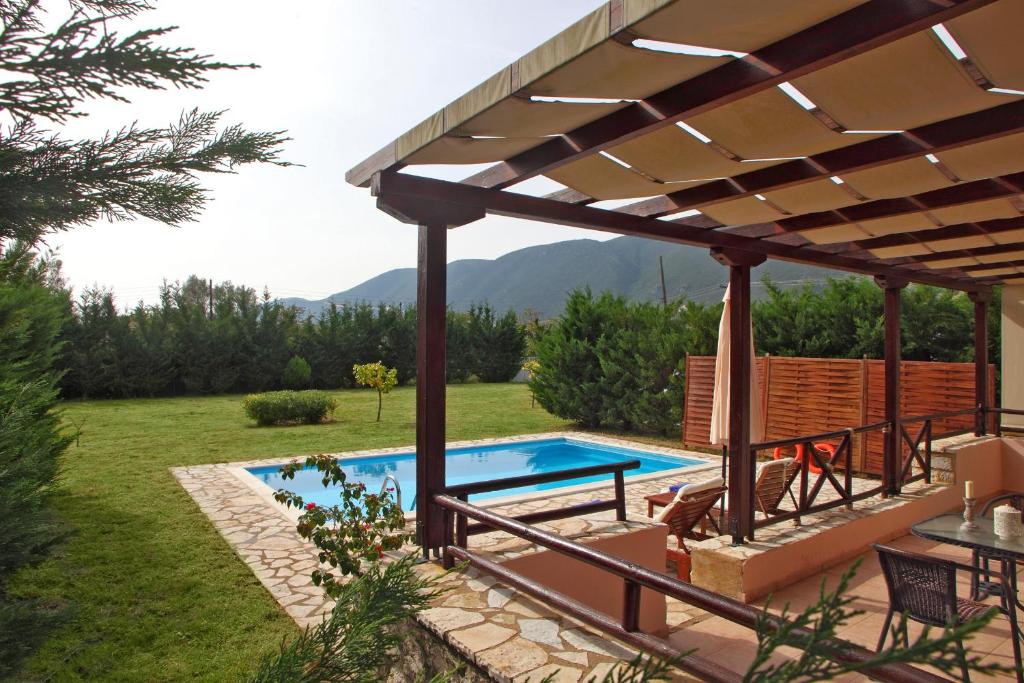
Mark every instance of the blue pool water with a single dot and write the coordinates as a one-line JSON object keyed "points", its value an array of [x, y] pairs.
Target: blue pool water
{"points": [[477, 463]]}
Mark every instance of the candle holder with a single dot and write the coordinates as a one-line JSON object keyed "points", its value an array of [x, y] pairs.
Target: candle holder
{"points": [[968, 523]]}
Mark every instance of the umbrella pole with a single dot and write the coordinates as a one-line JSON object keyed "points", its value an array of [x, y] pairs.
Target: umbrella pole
{"points": [[725, 475]]}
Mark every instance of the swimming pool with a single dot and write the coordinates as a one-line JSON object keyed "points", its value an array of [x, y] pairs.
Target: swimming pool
{"points": [[478, 463]]}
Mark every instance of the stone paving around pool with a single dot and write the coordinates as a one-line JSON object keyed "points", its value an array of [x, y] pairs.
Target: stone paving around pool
{"points": [[508, 636]]}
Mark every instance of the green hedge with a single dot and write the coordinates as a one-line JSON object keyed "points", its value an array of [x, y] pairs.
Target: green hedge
{"points": [[607, 362], [31, 442], [289, 407]]}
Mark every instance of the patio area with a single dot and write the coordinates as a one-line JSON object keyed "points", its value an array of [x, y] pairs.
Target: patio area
{"points": [[506, 634], [732, 645]]}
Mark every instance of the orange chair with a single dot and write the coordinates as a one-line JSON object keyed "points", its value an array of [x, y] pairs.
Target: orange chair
{"points": [[826, 448]]}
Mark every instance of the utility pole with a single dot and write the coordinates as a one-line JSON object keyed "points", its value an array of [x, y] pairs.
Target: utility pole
{"points": [[664, 292], [211, 298]]}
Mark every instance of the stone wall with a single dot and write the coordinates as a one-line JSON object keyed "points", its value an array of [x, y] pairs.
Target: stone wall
{"points": [[424, 655]]}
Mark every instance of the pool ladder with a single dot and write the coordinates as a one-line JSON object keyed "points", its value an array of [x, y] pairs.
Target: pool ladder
{"points": [[398, 488]]}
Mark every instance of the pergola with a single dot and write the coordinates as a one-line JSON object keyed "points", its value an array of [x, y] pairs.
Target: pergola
{"points": [[881, 137]]}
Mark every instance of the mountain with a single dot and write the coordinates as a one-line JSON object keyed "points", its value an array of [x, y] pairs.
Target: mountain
{"points": [[540, 278]]}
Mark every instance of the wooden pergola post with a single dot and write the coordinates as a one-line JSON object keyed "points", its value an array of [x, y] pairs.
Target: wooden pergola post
{"points": [[742, 462], [434, 218], [981, 299], [892, 467], [431, 272]]}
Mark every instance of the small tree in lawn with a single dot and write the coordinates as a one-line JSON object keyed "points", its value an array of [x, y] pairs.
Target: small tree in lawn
{"points": [[377, 376]]}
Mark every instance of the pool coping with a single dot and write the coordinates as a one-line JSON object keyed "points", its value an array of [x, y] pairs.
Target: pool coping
{"points": [[239, 469]]}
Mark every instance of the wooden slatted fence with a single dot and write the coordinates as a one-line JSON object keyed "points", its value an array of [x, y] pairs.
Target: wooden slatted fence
{"points": [[814, 395]]}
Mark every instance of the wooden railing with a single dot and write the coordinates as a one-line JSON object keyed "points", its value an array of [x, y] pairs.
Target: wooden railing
{"points": [[999, 412], [923, 440], [841, 459], [462, 492], [635, 578], [915, 451]]}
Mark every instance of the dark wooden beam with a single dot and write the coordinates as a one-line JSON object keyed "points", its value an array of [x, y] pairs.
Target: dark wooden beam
{"points": [[393, 185], [431, 312], [858, 30], [956, 132], [955, 195], [424, 211], [1017, 263], [981, 300], [989, 227], [994, 250], [892, 467], [734, 258]]}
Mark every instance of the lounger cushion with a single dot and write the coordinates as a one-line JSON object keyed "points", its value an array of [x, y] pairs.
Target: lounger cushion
{"points": [[689, 490], [781, 462]]}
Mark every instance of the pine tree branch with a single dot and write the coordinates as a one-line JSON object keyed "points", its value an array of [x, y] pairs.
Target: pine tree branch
{"points": [[81, 59], [51, 184]]}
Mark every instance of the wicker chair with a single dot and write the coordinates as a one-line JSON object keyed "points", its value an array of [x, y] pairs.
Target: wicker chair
{"points": [[983, 584], [924, 589], [691, 506]]}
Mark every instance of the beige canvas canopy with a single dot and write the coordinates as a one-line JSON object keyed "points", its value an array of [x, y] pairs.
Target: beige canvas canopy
{"points": [[879, 136]]}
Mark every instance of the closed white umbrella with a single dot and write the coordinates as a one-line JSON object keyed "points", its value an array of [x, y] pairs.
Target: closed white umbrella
{"points": [[720, 401]]}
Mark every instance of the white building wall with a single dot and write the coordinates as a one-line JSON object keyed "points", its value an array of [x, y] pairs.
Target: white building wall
{"points": [[1013, 352]]}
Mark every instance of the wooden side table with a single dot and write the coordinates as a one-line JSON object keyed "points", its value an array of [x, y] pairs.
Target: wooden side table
{"points": [[658, 499]]}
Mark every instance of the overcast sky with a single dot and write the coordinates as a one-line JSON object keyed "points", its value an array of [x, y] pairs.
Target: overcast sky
{"points": [[344, 77]]}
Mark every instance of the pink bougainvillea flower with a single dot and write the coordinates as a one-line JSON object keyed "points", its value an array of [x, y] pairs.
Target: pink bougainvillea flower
{"points": [[310, 506]]}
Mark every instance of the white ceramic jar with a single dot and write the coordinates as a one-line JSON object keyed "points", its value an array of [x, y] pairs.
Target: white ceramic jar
{"points": [[1006, 522]]}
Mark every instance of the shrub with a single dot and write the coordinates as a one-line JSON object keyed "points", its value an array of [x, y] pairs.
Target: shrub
{"points": [[610, 363], [289, 407], [32, 310], [296, 373]]}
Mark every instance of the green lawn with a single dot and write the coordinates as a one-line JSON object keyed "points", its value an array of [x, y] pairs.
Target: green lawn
{"points": [[157, 593]]}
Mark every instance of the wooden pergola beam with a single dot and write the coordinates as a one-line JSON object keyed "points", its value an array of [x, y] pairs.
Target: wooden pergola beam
{"points": [[856, 31], [994, 250], [959, 131], [955, 195], [1015, 263], [409, 188], [989, 227]]}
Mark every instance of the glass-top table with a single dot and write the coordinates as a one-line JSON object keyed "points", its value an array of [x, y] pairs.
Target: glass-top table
{"points": [[1007, 551]]}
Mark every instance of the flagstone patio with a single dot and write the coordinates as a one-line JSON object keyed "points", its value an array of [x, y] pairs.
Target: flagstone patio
{"points": [[506, 635]]}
